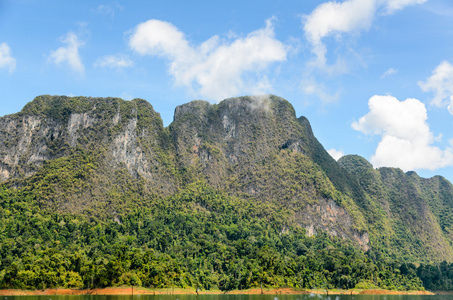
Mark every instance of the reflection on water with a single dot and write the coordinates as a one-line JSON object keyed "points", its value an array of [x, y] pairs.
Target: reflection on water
{"points": [[234, 297]]}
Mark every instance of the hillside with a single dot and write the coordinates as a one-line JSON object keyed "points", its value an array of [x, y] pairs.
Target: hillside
{"points": [[97, 192]]}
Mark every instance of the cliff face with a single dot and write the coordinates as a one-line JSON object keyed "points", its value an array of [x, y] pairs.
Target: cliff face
{"points": [[49, 126], [87, 155], [238, 132], [256, 147], [405, 211], [79, 154]]}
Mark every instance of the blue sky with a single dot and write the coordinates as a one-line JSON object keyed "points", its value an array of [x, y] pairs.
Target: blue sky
{"points": [[374, 77]]}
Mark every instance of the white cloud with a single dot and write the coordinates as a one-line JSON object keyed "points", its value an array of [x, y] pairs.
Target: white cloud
{"points": [[389, 72], [312, 87], [337, 18], [336, 154], [393, 5], [441, 83], [406, 139], [216, 68], [6, 59], [69, 54], [114, 61]]}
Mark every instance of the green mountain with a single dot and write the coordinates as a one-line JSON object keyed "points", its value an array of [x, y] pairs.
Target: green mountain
{"points": [[415, 213], [97, 192]]}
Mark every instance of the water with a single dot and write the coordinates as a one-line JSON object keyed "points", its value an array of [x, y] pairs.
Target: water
{"points": [[234, 297]]}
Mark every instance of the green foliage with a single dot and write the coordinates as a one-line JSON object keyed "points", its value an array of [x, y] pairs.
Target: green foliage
{"points": [[198, 238], [216, 201], [56, 107], [365, 285], [437, 277], [407, 215]]}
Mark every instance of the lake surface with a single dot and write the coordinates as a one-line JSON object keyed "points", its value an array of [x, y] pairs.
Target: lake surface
{"points": [[234, 297]]}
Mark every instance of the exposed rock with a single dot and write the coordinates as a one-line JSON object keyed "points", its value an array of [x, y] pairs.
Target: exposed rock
{"points": [[329, 217], [251, 147]]}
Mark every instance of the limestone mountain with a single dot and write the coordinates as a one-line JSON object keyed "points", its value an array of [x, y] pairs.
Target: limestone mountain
{"points": [[105, 157], [95, 145], [414, 212]]}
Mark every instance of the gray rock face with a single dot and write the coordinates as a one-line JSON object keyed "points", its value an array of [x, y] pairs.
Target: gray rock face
{"points": [[256, 147], [243, 130], [41, 133], [25, 144], [249, 147]]}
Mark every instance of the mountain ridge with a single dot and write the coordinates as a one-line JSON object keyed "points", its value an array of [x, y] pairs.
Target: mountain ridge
{"points": [[251, 147]]}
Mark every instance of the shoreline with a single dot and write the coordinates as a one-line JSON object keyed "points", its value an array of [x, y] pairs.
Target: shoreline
{"points": [[179, 291]]}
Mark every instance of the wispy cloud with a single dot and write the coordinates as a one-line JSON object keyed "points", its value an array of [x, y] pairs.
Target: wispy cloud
{"points": [[392, 6], [6, 59], [109, 10], [105, 10], [126, 96], [441, 8], [441, 83], [389, 72], [348, 17], [114, 61], [336, 18], [311, 86], [406, 139], [69, 54], [217, 68]]}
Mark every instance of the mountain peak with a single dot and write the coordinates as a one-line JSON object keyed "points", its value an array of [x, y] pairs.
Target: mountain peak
{"points": [[97, 151], [355, 164]]}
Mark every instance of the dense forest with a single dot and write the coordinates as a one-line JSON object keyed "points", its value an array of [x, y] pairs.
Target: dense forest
{"points": [[103, 195], [198, 238]]}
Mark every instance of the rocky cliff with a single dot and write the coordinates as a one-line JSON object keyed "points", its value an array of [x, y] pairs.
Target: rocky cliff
{"points": [[48, 127], [84, 155]]}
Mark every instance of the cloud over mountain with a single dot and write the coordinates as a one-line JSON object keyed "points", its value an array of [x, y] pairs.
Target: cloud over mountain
{"points": [[217, 68], [349, 17], [69, 54], [406, 139], [441, 83]]}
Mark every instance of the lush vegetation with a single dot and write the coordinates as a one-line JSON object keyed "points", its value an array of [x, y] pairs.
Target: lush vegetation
{"points": [[197, 238], [103, 195]]}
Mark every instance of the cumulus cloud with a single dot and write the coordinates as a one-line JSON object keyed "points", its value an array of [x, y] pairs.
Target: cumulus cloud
{"points": [[336, 154], [6, 59], [406, 139], [216, 68], [69, 54], [441, 83], [114, 61], [336, 18]]}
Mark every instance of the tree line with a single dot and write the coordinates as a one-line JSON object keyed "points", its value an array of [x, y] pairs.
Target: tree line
{"points": [[198, 238]]}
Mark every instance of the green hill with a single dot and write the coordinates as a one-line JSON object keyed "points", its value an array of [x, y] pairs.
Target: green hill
{"points": [[240, 194]]}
